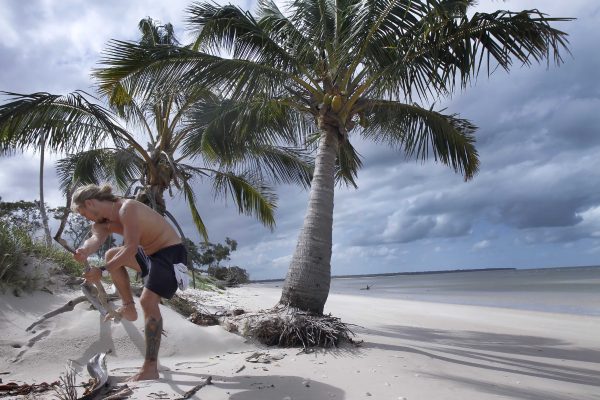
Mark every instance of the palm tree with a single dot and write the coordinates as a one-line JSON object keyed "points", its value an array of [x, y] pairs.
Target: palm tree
{"points": [[344, 68], [182, 125], [42, 205]]}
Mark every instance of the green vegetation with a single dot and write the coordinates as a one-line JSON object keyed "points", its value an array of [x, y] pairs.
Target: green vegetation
{"points": [[232, 276], [19, 223], [209, 283], [12, 244], [210, 255], [17, 248]]}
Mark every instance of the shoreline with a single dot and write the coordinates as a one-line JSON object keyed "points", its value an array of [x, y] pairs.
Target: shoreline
{"points": [[434, 272]]}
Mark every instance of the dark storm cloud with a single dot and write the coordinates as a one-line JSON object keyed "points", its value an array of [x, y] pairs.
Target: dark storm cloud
{"points": [[539, 130]]}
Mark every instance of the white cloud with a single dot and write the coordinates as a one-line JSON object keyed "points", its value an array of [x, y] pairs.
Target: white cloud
{"points": [[483, 244]]}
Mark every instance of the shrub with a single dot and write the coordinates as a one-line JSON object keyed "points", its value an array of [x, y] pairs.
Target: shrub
{"points": [[230, 275], [13, 245], [16, 246], [63, 259]]}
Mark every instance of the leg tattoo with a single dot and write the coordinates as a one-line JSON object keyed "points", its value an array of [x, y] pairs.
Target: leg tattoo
{"points": [[153, 333]]}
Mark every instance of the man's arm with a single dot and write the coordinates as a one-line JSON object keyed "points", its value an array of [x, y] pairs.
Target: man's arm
{"points": [[99, 234], [131, 236]]}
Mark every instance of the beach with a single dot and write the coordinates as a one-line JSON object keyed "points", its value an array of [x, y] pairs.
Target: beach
{"points": [[411, 349]]}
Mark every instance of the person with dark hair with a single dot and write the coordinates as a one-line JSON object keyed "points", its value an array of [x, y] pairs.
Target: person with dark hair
{"points": [[151, 247]]}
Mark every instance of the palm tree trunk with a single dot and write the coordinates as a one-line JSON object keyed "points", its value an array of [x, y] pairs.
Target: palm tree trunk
{"points": [[47, 234], [309, 276]]}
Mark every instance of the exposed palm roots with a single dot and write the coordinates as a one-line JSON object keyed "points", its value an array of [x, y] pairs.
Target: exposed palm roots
{"points": [[287, 327]]}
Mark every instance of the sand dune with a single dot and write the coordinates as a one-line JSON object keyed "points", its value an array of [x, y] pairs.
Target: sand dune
{"points": [[411, 350]]}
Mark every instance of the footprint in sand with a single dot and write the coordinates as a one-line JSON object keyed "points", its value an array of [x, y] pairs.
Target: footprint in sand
{"points": [[29, 344], [194, 364]]}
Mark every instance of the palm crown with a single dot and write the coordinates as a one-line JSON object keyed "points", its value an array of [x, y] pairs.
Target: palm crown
{"points": [[344, 63], [182, 127]]}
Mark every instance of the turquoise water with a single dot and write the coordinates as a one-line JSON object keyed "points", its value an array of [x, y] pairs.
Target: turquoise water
{"points": [[573, 290]]}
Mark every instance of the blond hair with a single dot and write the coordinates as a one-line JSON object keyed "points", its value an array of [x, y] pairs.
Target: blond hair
{"points": [[91, 192]]}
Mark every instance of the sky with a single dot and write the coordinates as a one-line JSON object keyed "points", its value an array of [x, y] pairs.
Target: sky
{"points": [[535, 202]]}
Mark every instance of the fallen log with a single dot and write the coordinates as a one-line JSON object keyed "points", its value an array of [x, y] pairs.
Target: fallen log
{"points": [[191, 392], [67, 307]]}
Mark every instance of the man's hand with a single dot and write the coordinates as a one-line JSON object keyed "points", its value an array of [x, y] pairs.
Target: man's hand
{"points": [[93, 275], [81, 255]]}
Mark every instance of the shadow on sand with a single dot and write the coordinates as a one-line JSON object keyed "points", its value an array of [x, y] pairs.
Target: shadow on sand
{"points": [[254, 387], [517, 354]]}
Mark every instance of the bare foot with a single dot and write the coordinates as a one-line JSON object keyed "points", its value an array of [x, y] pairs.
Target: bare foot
{"points": [[126, 311], [144, 375]]}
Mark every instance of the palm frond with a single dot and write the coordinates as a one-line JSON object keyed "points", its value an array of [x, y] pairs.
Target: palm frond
{"points": [[227, 125], [276, 164], [348, 163], [121, 166], [316, 19], [283, 31], [445, 43], [67, 123], [237, 32], [250, 195], [419, 132], [191, 201], [250, 136], [144, 70]]}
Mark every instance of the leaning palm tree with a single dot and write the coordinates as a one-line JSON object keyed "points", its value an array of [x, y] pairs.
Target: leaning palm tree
{"points": [[183, 127], [351, 68]]}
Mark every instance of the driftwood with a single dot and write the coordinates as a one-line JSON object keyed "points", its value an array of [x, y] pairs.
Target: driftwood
{"points": [[191, 392], [203, 318], [96, 367], [14, 389], [94, 293], [97, 296], [122, 393], [67, 307]]}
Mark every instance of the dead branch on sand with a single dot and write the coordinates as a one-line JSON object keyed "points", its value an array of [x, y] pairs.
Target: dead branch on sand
{"points": [[192, 391], [67, 307]]}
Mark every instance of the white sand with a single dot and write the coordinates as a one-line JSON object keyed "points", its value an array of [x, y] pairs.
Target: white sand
{"points": [[412, 350]]}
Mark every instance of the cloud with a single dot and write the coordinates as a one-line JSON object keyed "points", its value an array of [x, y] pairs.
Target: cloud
{"points": [[535, 196], [484, 244]]}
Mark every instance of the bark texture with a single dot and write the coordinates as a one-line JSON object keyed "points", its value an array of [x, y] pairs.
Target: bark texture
{"points": [[309, 276], [47, 235]]}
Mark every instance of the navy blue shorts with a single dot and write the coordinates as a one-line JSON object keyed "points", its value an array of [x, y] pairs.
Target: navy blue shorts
{"points": [[158, 272]]}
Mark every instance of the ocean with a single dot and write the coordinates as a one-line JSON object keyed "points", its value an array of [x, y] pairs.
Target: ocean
{"points": [[573, 290]]}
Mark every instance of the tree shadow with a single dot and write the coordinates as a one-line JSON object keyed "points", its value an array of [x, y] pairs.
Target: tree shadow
{"points": [[257, 387], [497, 352], [104, 342], [504, 391], [522, 345]]}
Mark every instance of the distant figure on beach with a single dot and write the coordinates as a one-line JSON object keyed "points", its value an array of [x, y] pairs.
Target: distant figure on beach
{"points": [[151, 247]]}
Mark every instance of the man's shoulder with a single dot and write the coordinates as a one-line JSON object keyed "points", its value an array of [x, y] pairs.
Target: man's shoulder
{"points": [[132, 203], [135, 209]]}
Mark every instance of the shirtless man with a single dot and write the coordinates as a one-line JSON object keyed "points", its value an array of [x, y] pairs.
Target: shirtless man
{"points": [[151, 247]]}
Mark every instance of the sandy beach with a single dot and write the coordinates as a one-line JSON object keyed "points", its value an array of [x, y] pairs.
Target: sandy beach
{"points": [[412, 350]]}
